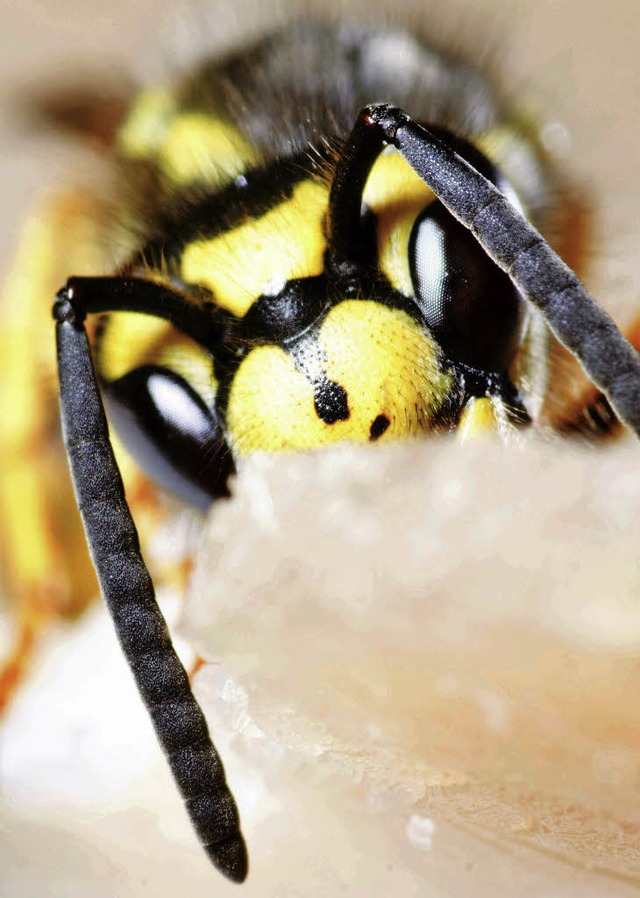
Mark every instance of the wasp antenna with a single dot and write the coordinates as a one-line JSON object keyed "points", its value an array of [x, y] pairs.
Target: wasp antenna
{"points": [[579, 323], [361, 149], [128, 591], [203, 322]]}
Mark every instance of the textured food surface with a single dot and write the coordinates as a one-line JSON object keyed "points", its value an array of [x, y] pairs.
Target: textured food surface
{"points": [[451, 633]]}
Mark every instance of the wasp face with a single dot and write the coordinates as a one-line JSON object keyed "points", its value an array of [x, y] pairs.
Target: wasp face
{"points": [[395, 341], [397, 333]]}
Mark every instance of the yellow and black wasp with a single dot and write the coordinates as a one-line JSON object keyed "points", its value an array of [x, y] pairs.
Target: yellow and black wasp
{"points": [[315, 253]]}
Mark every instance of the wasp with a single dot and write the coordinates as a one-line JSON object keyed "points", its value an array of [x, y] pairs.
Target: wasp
{"points": [[316, 253]]}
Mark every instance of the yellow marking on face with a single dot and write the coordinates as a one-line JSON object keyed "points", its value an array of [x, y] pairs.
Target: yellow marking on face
{"points": [[387, 364], [262, 254], [188, 147], [479, 419], [133, 340], [397, 195], [129, 341], [271, 405]]}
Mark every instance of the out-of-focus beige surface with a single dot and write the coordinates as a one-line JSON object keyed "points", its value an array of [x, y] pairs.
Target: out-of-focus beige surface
{"points": [[490, 751], [442, 642]]}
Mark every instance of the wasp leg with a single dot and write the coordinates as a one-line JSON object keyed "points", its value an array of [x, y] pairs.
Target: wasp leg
{"points": [[128, 591]]}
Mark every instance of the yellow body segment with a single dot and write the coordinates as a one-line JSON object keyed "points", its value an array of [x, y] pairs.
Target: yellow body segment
{"points": [[387, 364], [142, 134], [45, 565], [199, 148], [187, 147], [262, 254]]}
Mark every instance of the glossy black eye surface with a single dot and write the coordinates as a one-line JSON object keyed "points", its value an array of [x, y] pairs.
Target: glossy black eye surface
{"points": [[471, 306], [173, 434]]}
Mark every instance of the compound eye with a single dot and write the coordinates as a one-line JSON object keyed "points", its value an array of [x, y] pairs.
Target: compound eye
{"points": [[172, 432], [471, 306]]}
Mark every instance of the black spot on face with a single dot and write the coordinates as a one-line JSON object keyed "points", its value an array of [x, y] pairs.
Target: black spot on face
{"points": [[330, 402], [378, 427]]}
